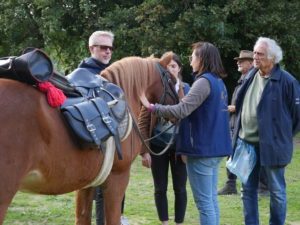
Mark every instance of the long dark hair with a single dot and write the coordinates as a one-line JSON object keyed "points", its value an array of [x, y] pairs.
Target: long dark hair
{"points": [[210, 59]]}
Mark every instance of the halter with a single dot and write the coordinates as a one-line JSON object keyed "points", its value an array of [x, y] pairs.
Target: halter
{"points": [[167, 82]]}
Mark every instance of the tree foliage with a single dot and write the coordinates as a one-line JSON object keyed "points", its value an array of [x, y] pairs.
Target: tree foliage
{"points": [[148, 27]]}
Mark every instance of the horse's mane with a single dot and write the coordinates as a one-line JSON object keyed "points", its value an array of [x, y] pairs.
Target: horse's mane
{"points": [[131, 72]]}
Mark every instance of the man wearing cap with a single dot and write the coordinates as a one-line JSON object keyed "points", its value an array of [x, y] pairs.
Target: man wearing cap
{"points": [[245, 64]]}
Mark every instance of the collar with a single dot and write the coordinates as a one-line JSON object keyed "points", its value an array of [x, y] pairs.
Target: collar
{"points": [[100, 64], [264, 76], [275, 75]]}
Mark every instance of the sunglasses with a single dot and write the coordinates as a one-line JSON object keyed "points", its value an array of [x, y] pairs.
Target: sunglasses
{"points": [[105, 47]]}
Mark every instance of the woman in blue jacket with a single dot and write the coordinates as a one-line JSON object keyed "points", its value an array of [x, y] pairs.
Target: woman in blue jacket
{"points": [[204, 134]]}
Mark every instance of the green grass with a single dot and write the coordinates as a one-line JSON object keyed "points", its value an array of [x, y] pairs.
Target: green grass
{"points": [[140, 207]]}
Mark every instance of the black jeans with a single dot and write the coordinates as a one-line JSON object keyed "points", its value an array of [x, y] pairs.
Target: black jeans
{"points": [[99, 200], [160, 169]]}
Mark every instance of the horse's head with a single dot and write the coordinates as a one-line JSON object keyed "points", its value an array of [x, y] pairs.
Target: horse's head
{"points": [[146, 77], [166, 59], [163, 93]]}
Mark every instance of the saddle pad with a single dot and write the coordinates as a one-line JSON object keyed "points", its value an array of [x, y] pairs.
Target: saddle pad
{"points": [[107, 164]]}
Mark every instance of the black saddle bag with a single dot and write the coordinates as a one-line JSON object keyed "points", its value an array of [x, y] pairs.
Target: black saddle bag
{"points": [[31, 67], [91, 122]]}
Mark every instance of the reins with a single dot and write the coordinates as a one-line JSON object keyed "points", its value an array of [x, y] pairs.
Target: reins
{"points": [[144, 141], [160, 133]]}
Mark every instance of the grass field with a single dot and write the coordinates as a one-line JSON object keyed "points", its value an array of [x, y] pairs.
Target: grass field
{"points": [[139, 205]]}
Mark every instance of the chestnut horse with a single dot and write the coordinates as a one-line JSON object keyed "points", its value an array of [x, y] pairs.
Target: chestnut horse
{"points": [[38, 155]]}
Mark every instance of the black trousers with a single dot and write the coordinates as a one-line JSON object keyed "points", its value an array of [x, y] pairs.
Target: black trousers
{"points": [[160, 169], [231, 178], [99, 200]]}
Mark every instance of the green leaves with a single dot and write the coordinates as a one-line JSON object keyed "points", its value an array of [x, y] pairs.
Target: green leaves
{"points": [[143, 28]]}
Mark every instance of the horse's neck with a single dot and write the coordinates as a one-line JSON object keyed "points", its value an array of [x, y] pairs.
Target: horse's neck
{"points": [[133, 75], [132, 97], [133, 102]]}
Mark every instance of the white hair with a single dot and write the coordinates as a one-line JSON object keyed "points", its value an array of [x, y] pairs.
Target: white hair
{"points": [[98, 34], [274, 51]]}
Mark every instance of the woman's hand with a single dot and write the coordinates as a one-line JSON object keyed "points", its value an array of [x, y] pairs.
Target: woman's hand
{"points": [[146, 160], [231, 108]]}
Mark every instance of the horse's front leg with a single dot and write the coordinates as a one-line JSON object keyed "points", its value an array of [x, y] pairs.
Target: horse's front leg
{"points": [[114, 190], [3, 209], [84, 202]]}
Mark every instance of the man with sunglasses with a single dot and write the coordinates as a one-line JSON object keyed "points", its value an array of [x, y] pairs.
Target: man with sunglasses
{"points": [[101, 49]]}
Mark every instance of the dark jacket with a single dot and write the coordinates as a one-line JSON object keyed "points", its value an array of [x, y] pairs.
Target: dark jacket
{"points": [[237, 88], [205, 132], [278, 116], [93, 65]]}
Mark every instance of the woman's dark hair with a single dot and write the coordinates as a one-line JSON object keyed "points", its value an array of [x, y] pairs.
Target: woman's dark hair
{"points": [[176, 58], [210, 59]]}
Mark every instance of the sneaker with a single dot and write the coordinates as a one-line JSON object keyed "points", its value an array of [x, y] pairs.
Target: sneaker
{"points": [[124, 221], [228, 189]]}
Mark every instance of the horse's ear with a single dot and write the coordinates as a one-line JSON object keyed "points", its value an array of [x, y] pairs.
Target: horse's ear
{"points": [[151, 57], [166, 59]]}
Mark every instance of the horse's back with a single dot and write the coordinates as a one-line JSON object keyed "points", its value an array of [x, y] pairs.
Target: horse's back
{"points": [[20, 106]]}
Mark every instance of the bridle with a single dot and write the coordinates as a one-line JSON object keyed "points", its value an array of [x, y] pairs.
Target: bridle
{"points": [[168, 90], [168, 85]]}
